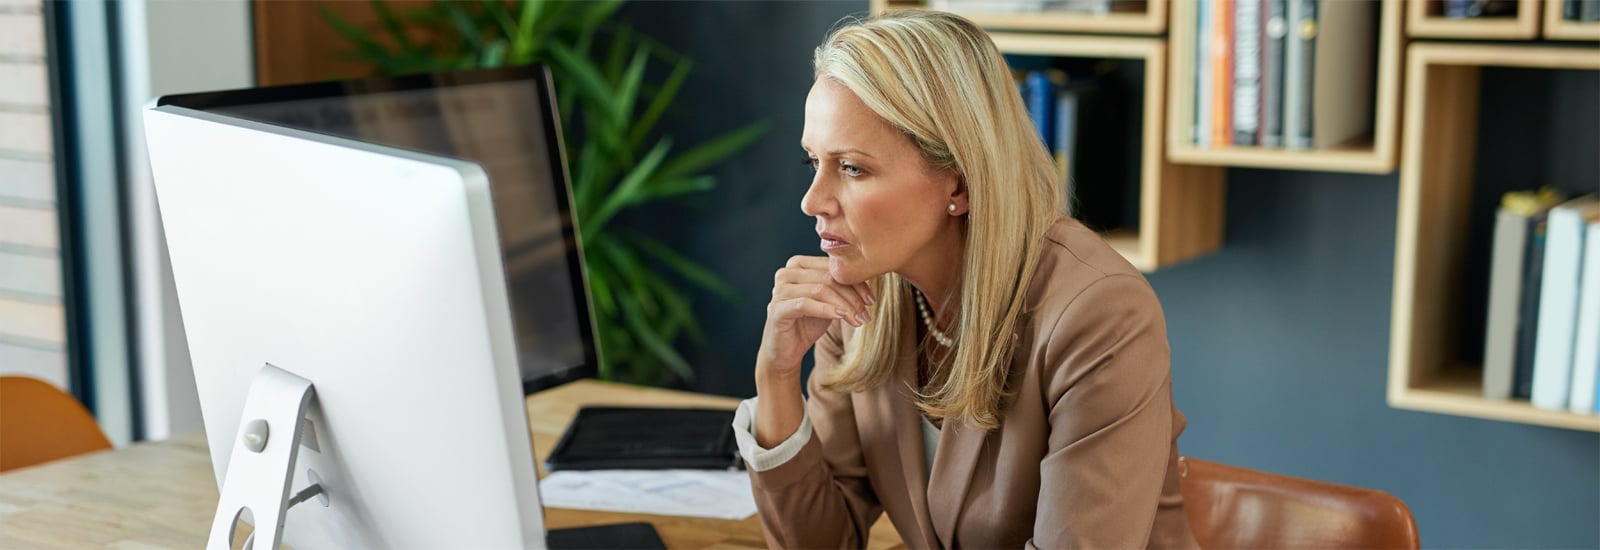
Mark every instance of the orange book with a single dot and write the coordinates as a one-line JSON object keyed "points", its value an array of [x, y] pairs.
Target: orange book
{"points": [[1222, 66]]}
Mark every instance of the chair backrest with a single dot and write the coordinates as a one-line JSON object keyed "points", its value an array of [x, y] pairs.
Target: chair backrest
{"points": [[41, 423], [1231, 507]]}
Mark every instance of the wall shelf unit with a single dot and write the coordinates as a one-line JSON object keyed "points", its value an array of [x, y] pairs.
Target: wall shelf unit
{"points": [[1374, 155], [1436, 188], [1556, 28], [1146, 18], [1426, 19]]}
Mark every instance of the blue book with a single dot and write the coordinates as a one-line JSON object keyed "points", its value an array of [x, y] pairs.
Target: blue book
{"points": [[1041, 101]]}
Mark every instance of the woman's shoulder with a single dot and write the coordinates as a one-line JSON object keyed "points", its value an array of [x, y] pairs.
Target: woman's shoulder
{"points": [[1077, 265]]}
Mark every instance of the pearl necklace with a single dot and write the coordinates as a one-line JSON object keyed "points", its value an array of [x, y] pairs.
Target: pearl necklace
{"points": [[922, 307]]}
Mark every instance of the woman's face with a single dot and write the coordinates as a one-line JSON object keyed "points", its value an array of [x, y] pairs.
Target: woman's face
{"points": [[880, 207]]}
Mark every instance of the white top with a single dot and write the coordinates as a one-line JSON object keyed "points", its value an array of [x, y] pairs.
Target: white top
{"points": [[761, 460]]}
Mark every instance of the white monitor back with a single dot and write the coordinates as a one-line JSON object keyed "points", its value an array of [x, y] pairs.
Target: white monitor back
{"points": [[376, 274]]}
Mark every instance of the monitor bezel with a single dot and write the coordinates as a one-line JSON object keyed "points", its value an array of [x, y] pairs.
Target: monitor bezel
{"points": [[539, 74]]}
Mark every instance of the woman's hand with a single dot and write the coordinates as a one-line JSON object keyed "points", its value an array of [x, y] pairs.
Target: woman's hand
{"points": [[805, 300]]}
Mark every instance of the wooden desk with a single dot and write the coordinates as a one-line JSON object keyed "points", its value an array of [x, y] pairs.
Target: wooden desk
{"points": [[162, 494]]}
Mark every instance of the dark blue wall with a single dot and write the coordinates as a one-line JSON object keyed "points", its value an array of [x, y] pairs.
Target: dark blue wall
{"points": [[1280, 341]]}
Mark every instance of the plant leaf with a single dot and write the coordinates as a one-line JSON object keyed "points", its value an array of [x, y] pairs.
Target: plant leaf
{"points": [[627, 89], [691, 271], [626, 191], [655, 345], [667, 188], [708, 153], [659, 103], [396, 31]]}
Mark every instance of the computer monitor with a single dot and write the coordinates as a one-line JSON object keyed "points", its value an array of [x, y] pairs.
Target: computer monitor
{"points": [[502, 119], [373, 277]]}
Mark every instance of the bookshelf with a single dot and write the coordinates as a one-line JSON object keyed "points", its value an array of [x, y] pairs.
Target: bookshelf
{"points": [[1375, 155], [1556, 28], [1426, 19], [1436, 189]]}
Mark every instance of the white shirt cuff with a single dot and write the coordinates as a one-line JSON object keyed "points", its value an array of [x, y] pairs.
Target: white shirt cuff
{"points": [[759, 459]]}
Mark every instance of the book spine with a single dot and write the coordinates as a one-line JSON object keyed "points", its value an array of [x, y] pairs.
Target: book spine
{"points": [[1042, 106], [1505, 289], [1222, 73], [1202, 73], [1528, 316], [1298, 84], [1558, 309], [1275, 29], [1569, 10], [1246, 71], [1066, 138], [1586, 348]]}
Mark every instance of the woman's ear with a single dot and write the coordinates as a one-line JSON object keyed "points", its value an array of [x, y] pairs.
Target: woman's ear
{"points": [[958, 199]]}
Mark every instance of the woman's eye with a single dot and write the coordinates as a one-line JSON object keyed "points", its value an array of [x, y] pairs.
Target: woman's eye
{"points": [[850, 169], [810, 163]]}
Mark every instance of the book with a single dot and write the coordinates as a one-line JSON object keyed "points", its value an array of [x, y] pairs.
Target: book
{"points": [[1222, 73], [1202, 74], [1528, 309], [1514, 225], [1342, 74], [1298, 69], [1273, 29], [1067, 97], [1558, 301], [1586, 345], [1246, 71], [1041, 102]]}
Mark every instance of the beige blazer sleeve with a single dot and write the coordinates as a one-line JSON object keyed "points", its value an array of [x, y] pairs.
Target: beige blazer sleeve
{"points": [[820, 498], [1108, 389]]}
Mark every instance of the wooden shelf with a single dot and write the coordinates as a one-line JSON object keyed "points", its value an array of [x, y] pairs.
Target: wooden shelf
{"points": [[1459, 391], [1436, 186], [1376, 155], [1180, 207], [1424, 20], [1556, 28], [1153, 20]]}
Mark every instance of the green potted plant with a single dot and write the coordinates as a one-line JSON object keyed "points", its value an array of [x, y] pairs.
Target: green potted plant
{"points": [[608, 108]]}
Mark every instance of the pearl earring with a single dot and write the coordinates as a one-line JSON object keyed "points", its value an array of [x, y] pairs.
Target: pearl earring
{"points": [[952, 208]]}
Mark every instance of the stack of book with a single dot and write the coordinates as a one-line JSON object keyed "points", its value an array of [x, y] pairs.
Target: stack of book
{"points": [[1064, 103], [1293, 74], [1542, 342]]}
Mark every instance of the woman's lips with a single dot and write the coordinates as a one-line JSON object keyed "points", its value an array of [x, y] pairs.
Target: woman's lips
{"points": [[831, 242]]}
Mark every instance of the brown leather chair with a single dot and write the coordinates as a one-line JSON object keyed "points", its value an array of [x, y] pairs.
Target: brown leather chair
{"points": [[1231, 507], [41, 423]]}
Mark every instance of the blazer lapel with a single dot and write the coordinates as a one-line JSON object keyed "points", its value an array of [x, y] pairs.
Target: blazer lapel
{"points": [[907, 422], [960, 447]]}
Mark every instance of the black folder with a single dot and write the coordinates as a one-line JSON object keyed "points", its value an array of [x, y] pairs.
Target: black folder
{"points": [[647, 438]]}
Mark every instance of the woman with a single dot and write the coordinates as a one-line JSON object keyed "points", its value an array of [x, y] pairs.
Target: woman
{"points": [[988, 372]]}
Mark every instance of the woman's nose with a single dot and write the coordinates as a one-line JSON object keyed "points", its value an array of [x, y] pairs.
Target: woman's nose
{"points": [[817, 201]]}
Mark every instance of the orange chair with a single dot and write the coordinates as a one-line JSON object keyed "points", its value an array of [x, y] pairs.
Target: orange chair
{"points": [[40, 423], [1231, 507]]}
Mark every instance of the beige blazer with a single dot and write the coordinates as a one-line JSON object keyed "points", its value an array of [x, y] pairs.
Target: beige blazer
{"points": [[1086, 455]]}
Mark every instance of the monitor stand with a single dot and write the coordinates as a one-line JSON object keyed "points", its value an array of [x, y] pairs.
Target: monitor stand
{"points": [[261, 466]]}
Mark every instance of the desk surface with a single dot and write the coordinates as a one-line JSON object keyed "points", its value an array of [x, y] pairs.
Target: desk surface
{"points": [[162, 494]]}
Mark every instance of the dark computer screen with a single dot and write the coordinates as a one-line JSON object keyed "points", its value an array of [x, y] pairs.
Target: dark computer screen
{"points": [[501, 119]]}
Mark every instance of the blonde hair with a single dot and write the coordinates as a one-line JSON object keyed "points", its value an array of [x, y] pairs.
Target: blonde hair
{"points": [[940, 79]]}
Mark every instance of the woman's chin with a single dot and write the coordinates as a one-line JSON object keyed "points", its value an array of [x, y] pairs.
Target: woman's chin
{"points": [[847, 272]]}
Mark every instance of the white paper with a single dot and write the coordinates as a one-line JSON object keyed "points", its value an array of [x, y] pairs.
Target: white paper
{"points": [[695, 493]]}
